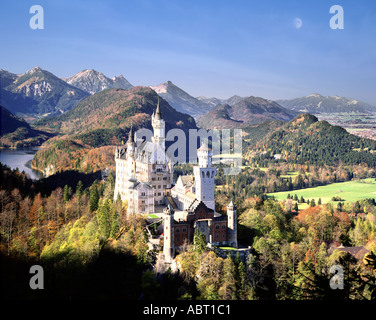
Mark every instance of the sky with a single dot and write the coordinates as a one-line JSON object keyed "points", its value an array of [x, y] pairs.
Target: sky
{"points": [[272, 49]]}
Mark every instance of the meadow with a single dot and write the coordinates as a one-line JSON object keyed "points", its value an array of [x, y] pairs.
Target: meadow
{"points": [[349, 191]]}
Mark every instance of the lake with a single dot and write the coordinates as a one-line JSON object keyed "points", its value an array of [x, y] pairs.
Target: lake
{"points": [[21, 159]]}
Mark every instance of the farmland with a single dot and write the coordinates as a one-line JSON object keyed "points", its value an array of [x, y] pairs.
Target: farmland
{"points": [[347, 191]]}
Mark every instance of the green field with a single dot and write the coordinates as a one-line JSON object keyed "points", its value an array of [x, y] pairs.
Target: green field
{"points": [[348, 191]]}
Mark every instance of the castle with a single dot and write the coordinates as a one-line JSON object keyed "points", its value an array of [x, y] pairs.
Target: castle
{"points": [[144, 178]]}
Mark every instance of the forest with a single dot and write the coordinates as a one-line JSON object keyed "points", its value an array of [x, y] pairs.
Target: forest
{"points": [[78, 232]]}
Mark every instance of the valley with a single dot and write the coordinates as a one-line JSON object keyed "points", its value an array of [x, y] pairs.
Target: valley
{"points": [[362, 125]]}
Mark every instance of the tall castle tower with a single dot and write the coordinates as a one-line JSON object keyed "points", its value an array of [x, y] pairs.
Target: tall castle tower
{"points": [[168, 231], [204, 176], [159, 127], [232, 237]]}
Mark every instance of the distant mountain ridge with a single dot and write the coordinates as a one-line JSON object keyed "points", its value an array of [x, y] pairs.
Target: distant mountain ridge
{"points": [[93, 81], [38, 92], [250, 110], [316, 103], [181, 100]]}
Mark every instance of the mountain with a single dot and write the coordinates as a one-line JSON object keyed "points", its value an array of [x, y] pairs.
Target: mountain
{"points": [[305, 139], [93, 81], [247, 111], [181, 100], [38, 93], [216, 101], [316, 103], [15, 132], [103, 119]]}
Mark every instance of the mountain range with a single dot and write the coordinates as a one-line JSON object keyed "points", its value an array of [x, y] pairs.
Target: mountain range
{"points": [[250, 110], [316, 103], [38, 93]]}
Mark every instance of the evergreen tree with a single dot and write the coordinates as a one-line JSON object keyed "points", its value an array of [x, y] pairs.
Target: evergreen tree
{"points": [[199, 241], [227, 291], [67, 192], [94, 196], [79, 189], [319, 202]]}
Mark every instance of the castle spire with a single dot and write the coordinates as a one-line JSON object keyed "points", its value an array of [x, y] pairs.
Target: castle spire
{"points": [[158, 113], [131, 136]]}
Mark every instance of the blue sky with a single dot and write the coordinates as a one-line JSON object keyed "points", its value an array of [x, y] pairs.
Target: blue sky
{"points": [[211, 48]]}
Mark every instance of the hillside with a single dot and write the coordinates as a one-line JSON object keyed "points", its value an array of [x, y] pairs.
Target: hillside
{"points": [[38, 93], [181, 100], [250, 110], [93, 81], [307, 140], [316, 103], [15, 132], [103, 119]]}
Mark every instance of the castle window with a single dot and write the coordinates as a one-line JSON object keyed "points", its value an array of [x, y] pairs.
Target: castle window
{"points": [[223, 226], [217, 227], [203, 174], [208, 174], [143, 194]]}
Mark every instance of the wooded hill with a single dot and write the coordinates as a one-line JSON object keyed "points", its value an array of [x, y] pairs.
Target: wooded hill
{"points": [[98, 122], [305, 139], [15, 132]]}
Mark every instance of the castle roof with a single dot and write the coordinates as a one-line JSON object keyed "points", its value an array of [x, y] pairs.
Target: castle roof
{"points": [[131, 136], [158, 113], [204, 147]]}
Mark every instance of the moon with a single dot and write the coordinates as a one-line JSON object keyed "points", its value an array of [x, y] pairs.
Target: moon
{"points": [[298, 23]]}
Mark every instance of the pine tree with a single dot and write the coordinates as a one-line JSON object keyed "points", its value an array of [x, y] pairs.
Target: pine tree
{"points": [[227, 291], [94, 196], [79, 189]]}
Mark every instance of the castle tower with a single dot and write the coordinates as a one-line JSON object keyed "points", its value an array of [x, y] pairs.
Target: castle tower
{"points": [[204, 176], [232, 235], [131, 147], [168, 229], [159, 127]]}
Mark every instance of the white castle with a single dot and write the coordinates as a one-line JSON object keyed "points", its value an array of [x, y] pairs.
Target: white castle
{"points": [[144, 178]]}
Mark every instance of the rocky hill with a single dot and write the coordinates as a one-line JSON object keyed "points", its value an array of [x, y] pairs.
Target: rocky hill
{"points": [[93, 81], [181, 100]]}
